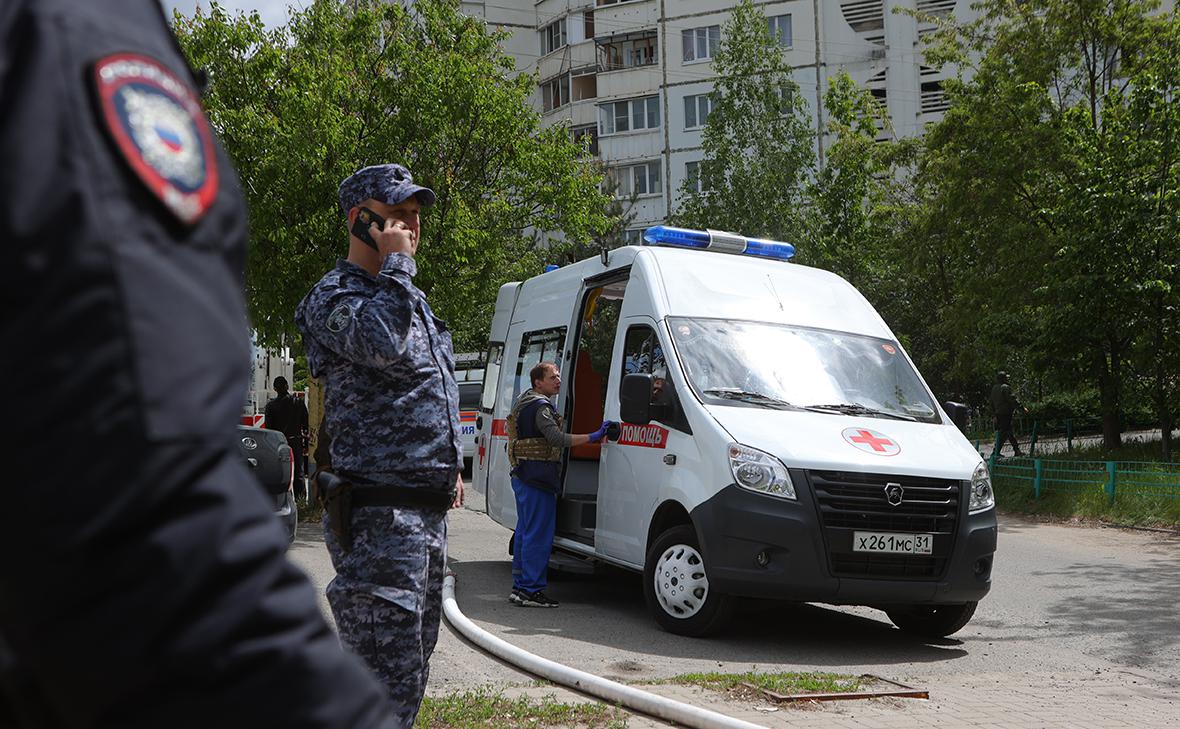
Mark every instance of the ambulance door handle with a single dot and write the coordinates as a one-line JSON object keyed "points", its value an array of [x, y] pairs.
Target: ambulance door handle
{"points": [[670, 459]]}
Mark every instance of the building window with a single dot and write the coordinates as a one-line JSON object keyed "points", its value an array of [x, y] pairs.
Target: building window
{"points": [[639, 50], [640, 179], [696, 110], [936, 7], [934, 99], [780, 29], [629, 115], [584, 83], [863, 15], [544, 345], [633, 237], [692, 176], [700, 44], [556, 93], [553, 36], [588, 24], [588, 135]]}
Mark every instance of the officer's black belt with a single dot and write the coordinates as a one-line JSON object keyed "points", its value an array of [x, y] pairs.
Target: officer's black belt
{"points": [[367, 493]]}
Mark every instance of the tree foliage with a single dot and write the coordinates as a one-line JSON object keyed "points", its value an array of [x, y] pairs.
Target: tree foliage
{"points": [[758, 142], [1051, 175], [301, 107]]}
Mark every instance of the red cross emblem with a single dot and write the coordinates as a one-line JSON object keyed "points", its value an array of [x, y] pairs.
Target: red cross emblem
{"points": [[871, 441]]}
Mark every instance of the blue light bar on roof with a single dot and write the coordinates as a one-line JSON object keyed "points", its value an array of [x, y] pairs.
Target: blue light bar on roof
{"points": [[717, 240]]}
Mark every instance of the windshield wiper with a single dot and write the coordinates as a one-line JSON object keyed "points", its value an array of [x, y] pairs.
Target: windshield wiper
{"points": [[754, 398], [855, 408]]}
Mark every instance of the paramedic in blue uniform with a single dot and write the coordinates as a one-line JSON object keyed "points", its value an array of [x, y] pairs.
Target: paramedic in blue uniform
{"points": [[142, 576], [535, 442], [392, 407]]}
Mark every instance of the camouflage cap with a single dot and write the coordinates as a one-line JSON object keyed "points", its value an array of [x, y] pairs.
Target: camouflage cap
{"points": [[389, 183]]}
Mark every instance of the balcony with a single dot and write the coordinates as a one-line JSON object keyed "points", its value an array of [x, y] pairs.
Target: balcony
{"points": [[621, 51]]}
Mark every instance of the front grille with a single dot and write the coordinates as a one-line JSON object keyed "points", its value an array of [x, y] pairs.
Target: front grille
{"points": [[849, 502]]}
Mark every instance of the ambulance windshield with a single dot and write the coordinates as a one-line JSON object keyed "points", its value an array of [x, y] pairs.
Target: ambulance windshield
{"points": [[773, 365]]}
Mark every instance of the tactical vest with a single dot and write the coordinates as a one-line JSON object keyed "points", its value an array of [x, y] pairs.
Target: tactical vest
{"points": [[534, 461]]}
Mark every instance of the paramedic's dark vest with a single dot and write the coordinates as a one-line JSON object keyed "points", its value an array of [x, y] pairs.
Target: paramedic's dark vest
{"points": [[534, 461]]}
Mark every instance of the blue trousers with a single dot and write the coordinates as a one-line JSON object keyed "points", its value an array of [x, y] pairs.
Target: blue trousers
{"points": [[536, 518]]}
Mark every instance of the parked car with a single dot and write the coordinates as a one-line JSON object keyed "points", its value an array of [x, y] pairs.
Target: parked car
{"points": [[468, 409], [271, 461]]}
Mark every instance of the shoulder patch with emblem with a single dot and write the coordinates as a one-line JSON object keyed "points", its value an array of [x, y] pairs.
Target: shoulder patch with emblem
{"points": [[340, 318], [160, 130]]}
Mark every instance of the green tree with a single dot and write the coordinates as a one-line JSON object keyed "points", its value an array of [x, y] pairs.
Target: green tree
{"points": [[853, 197], [1145, 128], [342, 86], [620, 211], [1034, 175], [758, 141]]}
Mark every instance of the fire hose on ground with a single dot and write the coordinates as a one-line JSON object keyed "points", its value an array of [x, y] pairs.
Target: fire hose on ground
{"points": [[587, 683]]}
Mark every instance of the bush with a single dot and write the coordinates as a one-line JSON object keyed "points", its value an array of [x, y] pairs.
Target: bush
{"points": [[1079, 405]]}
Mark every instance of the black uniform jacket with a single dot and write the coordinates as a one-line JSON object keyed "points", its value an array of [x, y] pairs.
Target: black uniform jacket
{"points": [[142, 576]]}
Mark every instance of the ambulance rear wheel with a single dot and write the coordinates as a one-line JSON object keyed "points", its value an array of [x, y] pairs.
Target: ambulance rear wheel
{"points": [[676, 586]]}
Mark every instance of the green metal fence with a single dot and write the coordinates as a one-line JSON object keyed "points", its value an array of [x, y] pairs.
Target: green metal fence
{"points": [[1114, 478]]}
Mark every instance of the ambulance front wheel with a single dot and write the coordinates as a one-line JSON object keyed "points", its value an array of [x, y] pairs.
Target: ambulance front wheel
{"points": [[677, 588], [932, 621]]}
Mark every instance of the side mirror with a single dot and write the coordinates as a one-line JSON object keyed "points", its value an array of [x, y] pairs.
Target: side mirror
{"points": [[635, 399], [958, 414]]}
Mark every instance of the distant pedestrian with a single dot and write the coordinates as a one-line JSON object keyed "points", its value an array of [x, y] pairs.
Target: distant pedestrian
{"points": [[1004, 405], [286, 414]]}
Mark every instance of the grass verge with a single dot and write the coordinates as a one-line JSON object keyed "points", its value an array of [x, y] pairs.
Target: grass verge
{"points": [[1147, 490], [482, 709], [309, 510], [783, 683]]}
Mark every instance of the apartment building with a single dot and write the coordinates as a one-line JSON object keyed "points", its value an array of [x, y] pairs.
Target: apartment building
{"points": [[634, 76]]}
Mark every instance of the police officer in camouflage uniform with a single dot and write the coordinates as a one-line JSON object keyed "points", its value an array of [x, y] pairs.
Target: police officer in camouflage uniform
{"points": [[392, 407], [142, 576]]}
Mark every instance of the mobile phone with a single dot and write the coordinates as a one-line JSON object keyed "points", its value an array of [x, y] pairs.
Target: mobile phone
{"points": [[360, 227]]}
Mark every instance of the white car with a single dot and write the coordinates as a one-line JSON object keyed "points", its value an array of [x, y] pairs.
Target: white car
{"points": [[468, 410]]}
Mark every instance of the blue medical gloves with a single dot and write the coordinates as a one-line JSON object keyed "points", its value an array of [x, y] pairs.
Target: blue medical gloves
{"points": [[601, 432]]}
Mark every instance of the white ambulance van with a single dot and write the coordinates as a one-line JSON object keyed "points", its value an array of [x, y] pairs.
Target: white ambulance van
{"points": [[776, 441]]}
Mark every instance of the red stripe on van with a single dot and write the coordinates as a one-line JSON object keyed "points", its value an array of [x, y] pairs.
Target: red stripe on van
{"points": [[500, 427]]}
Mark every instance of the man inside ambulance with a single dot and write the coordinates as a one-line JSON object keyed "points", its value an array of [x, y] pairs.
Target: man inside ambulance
{"points": [[535, 442]]}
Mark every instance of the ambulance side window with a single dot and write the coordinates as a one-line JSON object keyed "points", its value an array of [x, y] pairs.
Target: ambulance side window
{"points": [[544, 345], [491, 375], [642, 352]]}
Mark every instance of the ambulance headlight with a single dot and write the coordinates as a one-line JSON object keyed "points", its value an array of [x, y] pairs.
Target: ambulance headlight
{"points": [[754, 470], [982, 496]]}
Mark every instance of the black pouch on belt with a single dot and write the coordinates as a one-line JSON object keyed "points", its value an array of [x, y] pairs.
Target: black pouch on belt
{"points": [[336, 497]]}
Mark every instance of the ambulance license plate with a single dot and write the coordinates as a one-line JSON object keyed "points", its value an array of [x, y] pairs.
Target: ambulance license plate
{"points": [[887, 543]]}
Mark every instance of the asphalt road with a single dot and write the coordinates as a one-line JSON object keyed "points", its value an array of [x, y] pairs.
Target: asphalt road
{"points": [[1066, 600]]}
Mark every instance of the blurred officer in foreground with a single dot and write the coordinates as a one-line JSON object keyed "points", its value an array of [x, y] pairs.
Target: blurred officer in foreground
{"points": [[142, 577], [392, 407]]}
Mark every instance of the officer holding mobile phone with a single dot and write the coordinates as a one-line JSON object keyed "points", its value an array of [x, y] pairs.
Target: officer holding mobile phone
{"points": [[143, 581], [392, 406]]}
